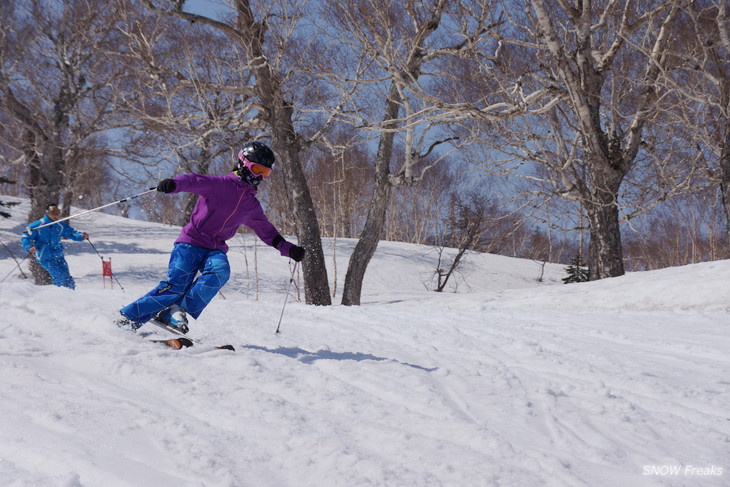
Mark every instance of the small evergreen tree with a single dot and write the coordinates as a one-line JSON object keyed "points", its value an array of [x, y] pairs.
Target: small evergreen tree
{"points": [[6, 204], [577, 271]]}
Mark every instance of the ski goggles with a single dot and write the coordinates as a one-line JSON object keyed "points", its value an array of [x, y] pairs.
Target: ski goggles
{"points": [[255, 168]]}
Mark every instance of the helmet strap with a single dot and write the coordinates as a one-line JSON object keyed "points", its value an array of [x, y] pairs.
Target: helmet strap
{"points": [[247, 177]]}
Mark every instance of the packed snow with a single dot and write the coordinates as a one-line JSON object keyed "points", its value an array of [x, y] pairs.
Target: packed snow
{"points": [[505, 380]]}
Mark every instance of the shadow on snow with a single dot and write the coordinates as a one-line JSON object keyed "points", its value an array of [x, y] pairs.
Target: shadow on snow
{"points": [[308, 357]]}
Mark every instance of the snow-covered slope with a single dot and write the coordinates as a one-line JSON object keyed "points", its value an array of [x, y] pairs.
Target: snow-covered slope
{"points": [[506, 382]]}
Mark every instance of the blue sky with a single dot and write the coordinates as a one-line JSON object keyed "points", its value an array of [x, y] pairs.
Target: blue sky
{"points": [[206, 7]]}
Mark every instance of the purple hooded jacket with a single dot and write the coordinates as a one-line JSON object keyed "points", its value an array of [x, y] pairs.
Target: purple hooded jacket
{"points": [[225, 203]]}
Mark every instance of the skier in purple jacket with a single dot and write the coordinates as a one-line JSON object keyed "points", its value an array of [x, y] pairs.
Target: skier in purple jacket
{"points": [[225, 203]]}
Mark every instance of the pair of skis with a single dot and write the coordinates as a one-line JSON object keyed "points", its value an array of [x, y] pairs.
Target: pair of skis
{"points": [[184, 342], [181, 341]]}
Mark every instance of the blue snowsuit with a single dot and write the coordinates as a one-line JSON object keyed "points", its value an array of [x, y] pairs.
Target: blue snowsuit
{"points": [[49, 249]]}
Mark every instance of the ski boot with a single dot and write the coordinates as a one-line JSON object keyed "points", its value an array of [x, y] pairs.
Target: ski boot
{"points": [[175, 317], [126, 324]]}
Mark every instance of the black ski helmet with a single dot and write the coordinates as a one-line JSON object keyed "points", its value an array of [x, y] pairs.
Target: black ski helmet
{"points": [[257, 152]]}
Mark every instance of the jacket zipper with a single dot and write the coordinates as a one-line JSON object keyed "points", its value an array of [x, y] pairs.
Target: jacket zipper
{"points": [[229, 216]]}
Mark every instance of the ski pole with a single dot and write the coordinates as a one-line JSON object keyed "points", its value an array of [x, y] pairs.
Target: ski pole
{"points": [[102, 263], [287, 296], [96, 209], [17, 266], [15, 259]]}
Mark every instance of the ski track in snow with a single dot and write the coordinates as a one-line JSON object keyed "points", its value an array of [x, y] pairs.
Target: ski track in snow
{"points": [[505, 383]]}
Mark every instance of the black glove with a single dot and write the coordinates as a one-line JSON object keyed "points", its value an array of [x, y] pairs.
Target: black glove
{"points": [[296, 253], [166, 186]]}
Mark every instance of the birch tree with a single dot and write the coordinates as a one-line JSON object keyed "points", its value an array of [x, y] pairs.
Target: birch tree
{"points": [[192, 110], [392, 42], [56, 95], [702, 81], [414, 58], [264, 33], [606, 131]]}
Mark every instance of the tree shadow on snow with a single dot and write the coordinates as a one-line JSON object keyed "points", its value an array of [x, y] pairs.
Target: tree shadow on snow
{"points": [[308, 357]]}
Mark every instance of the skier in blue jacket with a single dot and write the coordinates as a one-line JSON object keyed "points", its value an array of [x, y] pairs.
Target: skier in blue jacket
{"points": [[45, 245], [224, 204]]}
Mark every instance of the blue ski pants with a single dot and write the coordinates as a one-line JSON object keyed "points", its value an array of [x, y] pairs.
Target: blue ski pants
{"points": [[57, 267], [181, 286]]}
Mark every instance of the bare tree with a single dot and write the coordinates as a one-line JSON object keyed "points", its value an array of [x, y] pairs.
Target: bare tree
{"points": [[266, 56], [606, 130], [418, 58], [192, 110], [685, 230], [56, 95], [391, 43], [6, 204], [417, 212], [468, 221], [702, 80], [339, 179], [721, 56]]}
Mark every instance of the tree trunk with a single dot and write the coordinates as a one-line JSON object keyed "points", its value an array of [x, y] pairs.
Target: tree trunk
{"points": [[286, 146], [203, 167], [41, 277], [605, 253], [377, 211], [725, 175], [316, 283], [368, 242], [45, 178], [45, 190]]}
